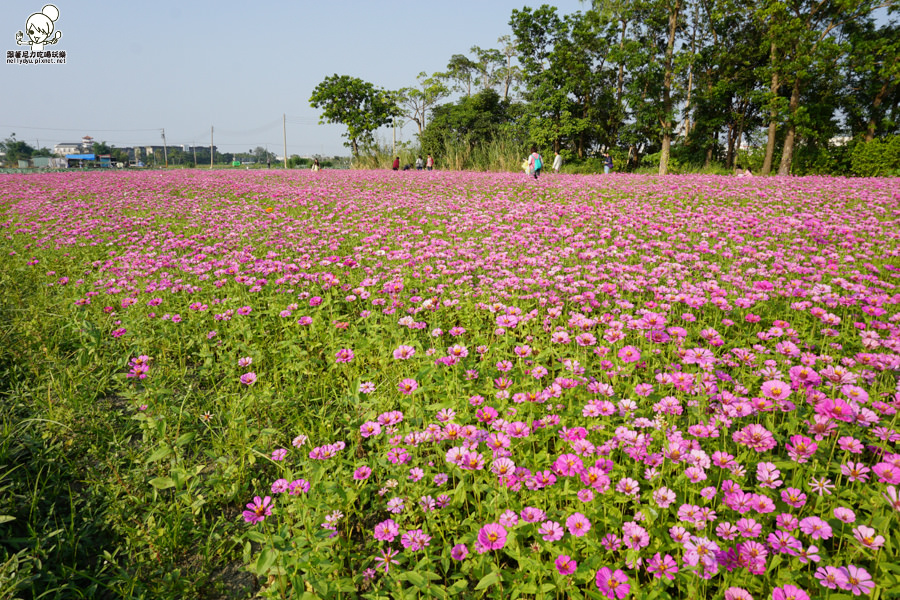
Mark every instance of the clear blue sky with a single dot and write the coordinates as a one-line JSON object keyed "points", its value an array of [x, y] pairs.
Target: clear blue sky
{"points": [[135, 67]]}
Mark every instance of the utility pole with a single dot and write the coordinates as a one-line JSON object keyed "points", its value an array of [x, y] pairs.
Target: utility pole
{"points": [[165, 149], [284, 134], [211, 146], [195, 154]]}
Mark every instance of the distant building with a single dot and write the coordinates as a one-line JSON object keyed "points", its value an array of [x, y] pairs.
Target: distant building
{"points": [[66, 148]]}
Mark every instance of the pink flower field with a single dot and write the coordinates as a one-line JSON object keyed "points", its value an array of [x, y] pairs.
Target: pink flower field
{"points": [[382, 385]]}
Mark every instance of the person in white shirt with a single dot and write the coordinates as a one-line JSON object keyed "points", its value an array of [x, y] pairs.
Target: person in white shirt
{"points": [[557, 162]]}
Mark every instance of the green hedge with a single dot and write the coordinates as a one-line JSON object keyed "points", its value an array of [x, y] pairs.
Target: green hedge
{"points": [[879, 157]]}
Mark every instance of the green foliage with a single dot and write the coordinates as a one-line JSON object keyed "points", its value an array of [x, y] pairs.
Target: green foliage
{"points": [[472, 121], [15, 150], [878, 157], [356, 104]]}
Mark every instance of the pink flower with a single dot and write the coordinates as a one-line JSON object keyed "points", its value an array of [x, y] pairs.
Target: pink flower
{"points": [[415, 540], [662, 567], [858, 580], [386, 531], [407, 386], [404, 352], [362, 473], [629, 354], [612, 584], [565, 565], [260, 508], [459, 552], [279, 454], [867, 537], [776, 390], [492, 536], [789, 592], [248, 378], [551, 531], [344, 355], [578, 525], [844, 514]]}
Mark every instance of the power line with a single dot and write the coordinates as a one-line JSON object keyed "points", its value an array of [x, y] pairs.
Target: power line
{"points": [[81, 129]]}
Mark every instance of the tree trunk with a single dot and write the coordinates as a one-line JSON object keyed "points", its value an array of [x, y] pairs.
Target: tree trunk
{"points": [[667, 91], [879, 98], [621, 78], [729, 153], [709, 150], [687, 103], [773, 116], [787, 153], [740, 132]]}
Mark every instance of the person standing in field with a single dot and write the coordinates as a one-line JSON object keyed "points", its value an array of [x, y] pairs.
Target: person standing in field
{"points": [[557, 162], [429, 163], [419, 163], [607, 163], [535, 163], [396, 165]]}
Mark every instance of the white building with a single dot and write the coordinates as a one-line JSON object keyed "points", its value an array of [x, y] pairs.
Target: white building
{"points": [[67, 148]]}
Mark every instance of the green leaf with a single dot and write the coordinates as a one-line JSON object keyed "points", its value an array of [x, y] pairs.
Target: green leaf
{"points": [[6, 518], [255, 536], [458, 586], [265, 560], [185, 438], [162, 483], [488, 580], [159, 453], [416, 579]]}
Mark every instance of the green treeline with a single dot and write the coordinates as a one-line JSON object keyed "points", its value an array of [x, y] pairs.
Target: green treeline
{"points": [[778, 86]]}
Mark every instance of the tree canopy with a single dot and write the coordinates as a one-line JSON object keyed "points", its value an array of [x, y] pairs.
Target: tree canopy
{"points": [[359, 105]]}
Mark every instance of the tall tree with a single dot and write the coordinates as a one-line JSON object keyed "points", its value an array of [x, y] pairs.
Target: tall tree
{"points": [[873, 72], [510, 74], [805, 36], [417, 102], [488, 63], [461, 70], [356, 104]]}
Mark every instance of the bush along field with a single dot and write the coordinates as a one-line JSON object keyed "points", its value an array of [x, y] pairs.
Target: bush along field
{"points": [[401, 385]]}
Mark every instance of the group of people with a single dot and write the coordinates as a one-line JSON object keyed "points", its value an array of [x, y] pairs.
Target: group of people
{"points": [[534, 164], [427, 164]]}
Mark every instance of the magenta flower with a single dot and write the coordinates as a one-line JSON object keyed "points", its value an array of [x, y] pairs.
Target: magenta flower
{"points": [[386, 531], [387, 559], [831, 577], [344, 355], [629, 354], [260, 508], [565, 564], [551, 531], [459, 552], [278, 455], [867, 537], [789, 592], [578, 525], [407, 386], [858, 580], [404, 352], [248, 378], [362, 473], [612, 584], [415, 540], [776, 390], [492, 536], [662, 566]]}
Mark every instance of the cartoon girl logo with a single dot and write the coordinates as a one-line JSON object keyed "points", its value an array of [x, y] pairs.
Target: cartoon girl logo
{"points": [[40, 29]]}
